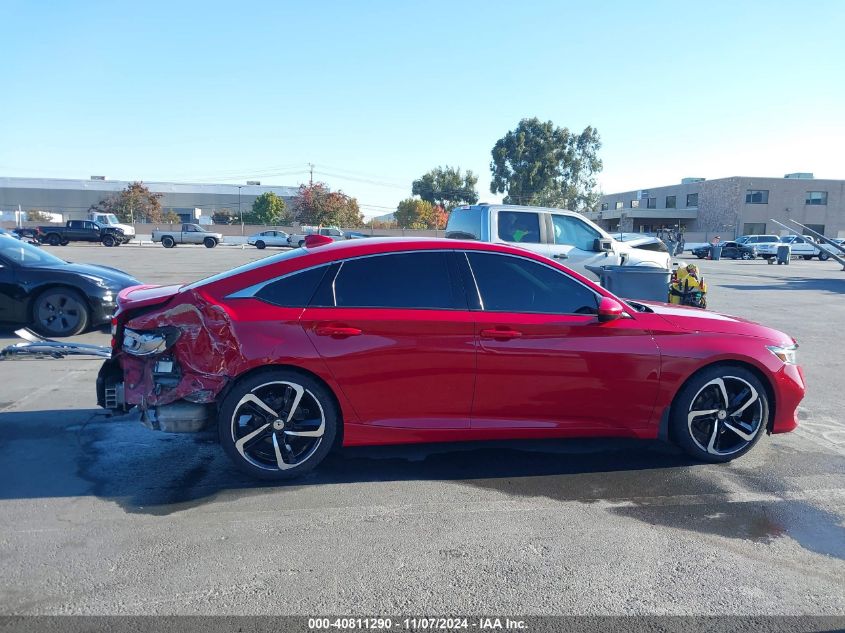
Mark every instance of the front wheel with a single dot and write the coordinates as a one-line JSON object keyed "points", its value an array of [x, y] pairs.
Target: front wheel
{"points": [[278, 424], [747, 256], [108, 240], [209, 242], [301, 243], [720, 414], [824, 256], [60, 312]]}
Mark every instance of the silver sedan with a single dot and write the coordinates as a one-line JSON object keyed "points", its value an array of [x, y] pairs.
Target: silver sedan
{"points": [[268, 238]]}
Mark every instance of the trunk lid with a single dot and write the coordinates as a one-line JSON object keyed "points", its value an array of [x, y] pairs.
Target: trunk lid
{"points": [[145, 295]]}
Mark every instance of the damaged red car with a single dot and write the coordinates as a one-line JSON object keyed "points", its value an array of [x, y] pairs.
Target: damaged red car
{"points": [[385, 341]]}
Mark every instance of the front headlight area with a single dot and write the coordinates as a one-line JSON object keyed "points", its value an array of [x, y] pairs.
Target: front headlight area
{"points": [[150, 342], [788, 354]]}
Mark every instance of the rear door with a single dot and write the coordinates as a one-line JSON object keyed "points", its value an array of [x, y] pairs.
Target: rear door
{"points": [[544, 359], [526, 229], [396, 334]]}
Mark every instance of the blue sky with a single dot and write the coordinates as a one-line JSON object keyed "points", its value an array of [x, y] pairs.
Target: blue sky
{"points": [[376, 93]]}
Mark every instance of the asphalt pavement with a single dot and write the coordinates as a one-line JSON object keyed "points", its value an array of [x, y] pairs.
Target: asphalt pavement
{"points": [[101, 516]]}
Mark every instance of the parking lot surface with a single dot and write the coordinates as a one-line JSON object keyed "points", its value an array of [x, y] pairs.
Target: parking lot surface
{"points": [[101, 516]]}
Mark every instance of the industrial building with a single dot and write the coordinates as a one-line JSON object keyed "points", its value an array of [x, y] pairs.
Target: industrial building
{"points": [[67, 199], [732, 206]]}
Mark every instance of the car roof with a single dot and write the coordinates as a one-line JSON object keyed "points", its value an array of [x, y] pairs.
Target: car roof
{"points": [[351, 248]]}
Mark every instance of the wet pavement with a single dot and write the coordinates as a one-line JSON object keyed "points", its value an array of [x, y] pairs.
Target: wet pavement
{"points": [[99, 515]]}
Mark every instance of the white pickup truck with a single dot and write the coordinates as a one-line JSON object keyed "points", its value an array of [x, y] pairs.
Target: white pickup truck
{"points": [[800, 246], [333, 232], [189, 234], [110, 219]]}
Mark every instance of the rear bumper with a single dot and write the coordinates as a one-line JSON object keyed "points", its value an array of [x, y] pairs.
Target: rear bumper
{"points": [[789, 388]]}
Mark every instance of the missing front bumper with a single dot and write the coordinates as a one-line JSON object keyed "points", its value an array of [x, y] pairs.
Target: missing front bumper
{"points": [[35, 346]]}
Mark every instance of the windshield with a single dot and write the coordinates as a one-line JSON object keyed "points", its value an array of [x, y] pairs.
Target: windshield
{"points": [[109, 218], [23, 254]]}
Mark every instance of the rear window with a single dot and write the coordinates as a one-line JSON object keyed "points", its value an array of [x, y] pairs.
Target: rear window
{"points": [[293, 291], [519, 227], [259, 263], [464, 224], [402, 280]]}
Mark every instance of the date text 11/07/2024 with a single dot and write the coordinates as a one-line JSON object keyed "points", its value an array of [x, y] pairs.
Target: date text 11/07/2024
{"points": [[417, 623]]}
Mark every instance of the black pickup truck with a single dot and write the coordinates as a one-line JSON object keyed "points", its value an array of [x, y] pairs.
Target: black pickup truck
{"points": [[81, 231]]}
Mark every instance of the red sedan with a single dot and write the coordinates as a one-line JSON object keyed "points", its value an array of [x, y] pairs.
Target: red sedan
{"points": [[386, 341]]}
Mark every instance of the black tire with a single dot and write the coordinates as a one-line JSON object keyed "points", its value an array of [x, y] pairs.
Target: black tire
{"points": [[733, 257], [717, 435], [807, 257], [60, 311], [301, 243], [209, 242], [824, 256], [109, 241], [747, 256], [54, 239], [251, 434], [168, 242], [700, 256], [260, 245]]}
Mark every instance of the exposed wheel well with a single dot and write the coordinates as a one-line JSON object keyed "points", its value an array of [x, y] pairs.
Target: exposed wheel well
{"points": [[728, 363], [293, 368]]}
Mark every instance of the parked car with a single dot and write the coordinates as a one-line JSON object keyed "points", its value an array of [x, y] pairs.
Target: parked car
{"points": [[355, 235], [730, 250], [384, 341], [332, 232], [52, 296], [80, 231], [564, 235], [753, 240], [800, 245], [268, 238], [187, 234], [110, 219]]}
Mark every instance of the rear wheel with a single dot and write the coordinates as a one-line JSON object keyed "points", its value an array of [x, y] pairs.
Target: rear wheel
{"points": [[60, 312], [277, 424], [720, 414], [54, 239], [301, 243], [168, 242], [209, 242], [260, 245], [807, 257]]}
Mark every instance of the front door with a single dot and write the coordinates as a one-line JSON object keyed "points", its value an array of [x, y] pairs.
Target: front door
{"points": [[572, 243], [545, 361], [395, 332]]}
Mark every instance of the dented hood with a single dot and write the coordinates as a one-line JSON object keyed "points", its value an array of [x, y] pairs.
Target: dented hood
{"points": [[146, 295]]}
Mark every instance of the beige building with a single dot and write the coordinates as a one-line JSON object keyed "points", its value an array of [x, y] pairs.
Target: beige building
{"points": [[731, 206]]}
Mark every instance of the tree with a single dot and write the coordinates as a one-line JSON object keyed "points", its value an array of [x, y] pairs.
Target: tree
{"points": [[316, 204], [170, 217], [136, 203], [541, 164], [413, 213], [269, 209], [446, 187]]}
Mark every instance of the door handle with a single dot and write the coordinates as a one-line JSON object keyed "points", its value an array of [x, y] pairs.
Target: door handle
{"points": [[501, 335], [337, 331], [560, 256]]}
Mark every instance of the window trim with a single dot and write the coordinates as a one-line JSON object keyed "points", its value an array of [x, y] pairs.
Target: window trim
{"points": [[809, 203], [749, 194], [480, 300]]}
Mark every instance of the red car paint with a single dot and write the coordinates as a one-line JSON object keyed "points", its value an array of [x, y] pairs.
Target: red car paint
{"points": [[428, 375]]}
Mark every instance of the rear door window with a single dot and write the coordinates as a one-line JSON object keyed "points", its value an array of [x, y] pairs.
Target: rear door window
{"points": [[421, 280], [293, 291], [514, 284], [519, 227]]}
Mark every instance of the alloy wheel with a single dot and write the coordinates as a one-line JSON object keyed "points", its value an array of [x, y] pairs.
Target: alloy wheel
{"points": [[59, 313], [278, 425], [725, 415]]}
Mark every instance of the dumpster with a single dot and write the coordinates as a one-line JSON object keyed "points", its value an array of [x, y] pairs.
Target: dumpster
{"points": [[716, 251], [784, 252], [634, 282]]}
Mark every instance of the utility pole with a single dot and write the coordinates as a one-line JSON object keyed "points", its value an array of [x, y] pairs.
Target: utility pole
{"points": [[311, 178], [240, 213]]}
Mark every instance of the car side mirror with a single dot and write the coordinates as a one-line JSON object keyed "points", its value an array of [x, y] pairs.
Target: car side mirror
{"points": [[601, 245], [610, 310]]}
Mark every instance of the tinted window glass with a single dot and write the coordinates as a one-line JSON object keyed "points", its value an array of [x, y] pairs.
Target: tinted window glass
{"points": [[516, 226], [293, 291], [400, 280], [569, 230], [514, 284], [464, 224]]}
